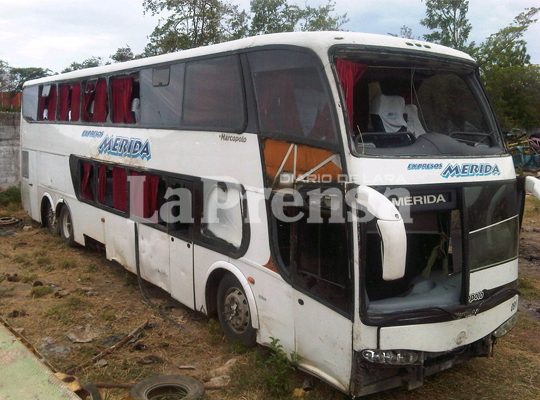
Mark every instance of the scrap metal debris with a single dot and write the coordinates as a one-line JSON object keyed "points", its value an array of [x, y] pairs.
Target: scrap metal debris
{"points": [[110, 350]]}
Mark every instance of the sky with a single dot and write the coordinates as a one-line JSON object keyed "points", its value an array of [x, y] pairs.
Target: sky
{"points": [[54, 33]]}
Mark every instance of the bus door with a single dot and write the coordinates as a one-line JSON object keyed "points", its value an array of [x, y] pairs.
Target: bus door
{"points": [[29, 183], [323, 286], [180, 227]]}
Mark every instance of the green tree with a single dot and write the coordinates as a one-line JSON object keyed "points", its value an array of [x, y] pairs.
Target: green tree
{"points": [[194, 23], [273, 16], [515, 94], [18, 76], [448, 20], [123, 54], [88, 63], [4, 75], [190, 23], [506, 48]]}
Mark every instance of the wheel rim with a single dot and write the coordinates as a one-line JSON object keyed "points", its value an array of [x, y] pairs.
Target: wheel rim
{"points": [[236, 310], [51, 218], [66, 225]]}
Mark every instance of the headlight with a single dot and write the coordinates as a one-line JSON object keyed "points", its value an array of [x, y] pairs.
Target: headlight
{"points": [[506, 327], [391, 357]]}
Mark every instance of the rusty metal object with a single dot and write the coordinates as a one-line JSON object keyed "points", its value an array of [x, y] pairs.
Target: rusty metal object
{"points": [[9, 221]]}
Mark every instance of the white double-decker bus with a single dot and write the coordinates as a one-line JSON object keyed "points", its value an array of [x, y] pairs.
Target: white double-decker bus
{"points": [[348, 194]]}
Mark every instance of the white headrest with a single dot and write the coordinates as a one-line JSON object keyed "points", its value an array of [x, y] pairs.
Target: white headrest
{"points": [[390, 109]]}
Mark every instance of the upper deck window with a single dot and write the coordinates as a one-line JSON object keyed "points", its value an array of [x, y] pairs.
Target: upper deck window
{"points": [[406, 107], [95, 101], [291, 98], [30, 102], [125, 100], [47, 103], [162, 95], [213, 96]]}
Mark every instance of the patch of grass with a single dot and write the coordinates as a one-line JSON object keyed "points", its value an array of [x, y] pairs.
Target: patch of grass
{"points": [[39, 253], [278, 370], [529, 288], [7, 290], [532, 209], [27, 278], [130, 279], [65, 309], [43, 261], [23, 259], [49, 268], [92, 268], [107, 316], [40, 291], [528, 323], [10, 196], [68, 264]]}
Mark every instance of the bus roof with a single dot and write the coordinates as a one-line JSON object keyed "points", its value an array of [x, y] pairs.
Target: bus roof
{"points": [[317, 41]]}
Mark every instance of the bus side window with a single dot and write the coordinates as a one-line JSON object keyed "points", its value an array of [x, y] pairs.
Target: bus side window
{"points": [[30, 103], [47, 103], [223, 216], [124, 91], [87, 178], [177, 211], [147, 193], [161, 95], [95, 101], [112, 187], [213, 96], [291, 96]]}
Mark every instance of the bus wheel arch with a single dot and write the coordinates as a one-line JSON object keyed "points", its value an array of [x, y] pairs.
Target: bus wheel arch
{"points": [[49, 215], [219, 294]]}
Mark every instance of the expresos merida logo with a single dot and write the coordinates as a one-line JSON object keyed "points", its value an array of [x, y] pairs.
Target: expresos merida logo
{"points": [[125, 147], [469, 169]]}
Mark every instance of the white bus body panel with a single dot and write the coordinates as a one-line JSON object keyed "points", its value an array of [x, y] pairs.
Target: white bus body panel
{"points": [[323, 341], [446, 336], [493, 277], [384, 171], [181, 271], [154, 256], [29, 188]]}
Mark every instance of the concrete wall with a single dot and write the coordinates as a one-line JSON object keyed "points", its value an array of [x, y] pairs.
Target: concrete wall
{"points": [[10, 144]]}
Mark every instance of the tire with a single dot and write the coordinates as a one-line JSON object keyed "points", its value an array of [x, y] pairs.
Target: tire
{"points": [[51, 220], [66, 227], [234, 313], [158, 386]]}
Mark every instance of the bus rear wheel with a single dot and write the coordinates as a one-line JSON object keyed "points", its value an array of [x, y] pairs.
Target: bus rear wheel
{"points": [[52, 221], [66, 227], [234, 313]]}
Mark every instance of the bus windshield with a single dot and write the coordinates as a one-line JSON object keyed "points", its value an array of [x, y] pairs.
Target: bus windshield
{"points": [[402, 106]]}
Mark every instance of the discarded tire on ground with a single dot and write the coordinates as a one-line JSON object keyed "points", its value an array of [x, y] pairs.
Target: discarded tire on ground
{"points": [[185, 387]]}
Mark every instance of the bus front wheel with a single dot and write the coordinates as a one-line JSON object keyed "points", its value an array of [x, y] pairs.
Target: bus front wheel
{"points": [[66, 227], [234, 313]]}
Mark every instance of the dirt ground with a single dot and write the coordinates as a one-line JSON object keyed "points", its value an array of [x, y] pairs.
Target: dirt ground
{"points": [[96, 301]]}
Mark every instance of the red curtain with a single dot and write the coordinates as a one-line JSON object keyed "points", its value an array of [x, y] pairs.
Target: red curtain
{"points": [[102, 183], [41, 107], [119, 188], [144, 195], [51, 114], [100, 101], [151, 192], [349, 73], [64, 103], [121, 98], [86, 187], [88, 97], [75, 101]]}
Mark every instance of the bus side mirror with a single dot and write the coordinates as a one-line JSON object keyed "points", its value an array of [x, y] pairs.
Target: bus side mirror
{"points": [[391, 228], [532, 185]]}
